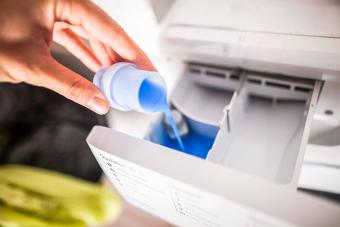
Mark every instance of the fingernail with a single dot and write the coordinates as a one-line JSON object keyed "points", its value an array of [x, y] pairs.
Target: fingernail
{"points": [[98, 105]]}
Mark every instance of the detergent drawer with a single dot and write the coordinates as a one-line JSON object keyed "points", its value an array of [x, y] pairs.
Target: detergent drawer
{"points": [[257, 127], [190, 191], [253, 122], [265, 128]]}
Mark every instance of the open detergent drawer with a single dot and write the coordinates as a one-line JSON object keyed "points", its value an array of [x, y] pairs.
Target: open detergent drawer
{"points": [[251, 122], [265, 128], [259, 133]]}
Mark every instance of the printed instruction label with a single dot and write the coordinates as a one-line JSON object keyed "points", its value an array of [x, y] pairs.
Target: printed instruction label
{"points": [[175, 201]]}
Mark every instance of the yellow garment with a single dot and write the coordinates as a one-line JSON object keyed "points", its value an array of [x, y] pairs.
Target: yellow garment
{"points": [[37, 197]]}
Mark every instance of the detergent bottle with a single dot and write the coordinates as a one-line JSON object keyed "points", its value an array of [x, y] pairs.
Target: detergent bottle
{"points": [[127, 87]]}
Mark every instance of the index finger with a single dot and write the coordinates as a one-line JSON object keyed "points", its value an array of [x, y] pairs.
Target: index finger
{"points": [[102, 27]]}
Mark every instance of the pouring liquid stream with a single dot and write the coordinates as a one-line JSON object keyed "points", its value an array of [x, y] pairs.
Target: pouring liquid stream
{"points": [[153, 98], [172, 122]]}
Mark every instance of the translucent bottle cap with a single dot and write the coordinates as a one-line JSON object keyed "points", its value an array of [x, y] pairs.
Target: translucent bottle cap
{"points": [[126, 87], [103, 79]]}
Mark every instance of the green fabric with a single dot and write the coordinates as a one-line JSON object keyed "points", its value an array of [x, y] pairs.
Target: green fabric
{"points": [[36, 197]]}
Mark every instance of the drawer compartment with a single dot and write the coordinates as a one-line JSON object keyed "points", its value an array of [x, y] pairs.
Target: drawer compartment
{"points": [[201, 107], [257, 124], [265, 130]]}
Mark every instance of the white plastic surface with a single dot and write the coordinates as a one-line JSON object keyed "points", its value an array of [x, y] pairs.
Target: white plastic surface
{"points": [[298, 38], [168, 184], [200, 103], [320, 18]]}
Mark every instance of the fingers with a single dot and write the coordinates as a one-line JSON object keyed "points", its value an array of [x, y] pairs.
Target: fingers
{"points": [[114, 56], [97, 23], [105, 55], [101, 52], [64, 81], [77, 47]]}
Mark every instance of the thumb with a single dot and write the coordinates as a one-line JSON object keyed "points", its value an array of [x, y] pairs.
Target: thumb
{"points": [[66, 82]]}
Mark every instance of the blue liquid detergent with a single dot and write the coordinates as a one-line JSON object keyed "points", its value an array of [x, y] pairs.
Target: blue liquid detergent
{"points": [[172, 122], [195, 143], [152, 97]]}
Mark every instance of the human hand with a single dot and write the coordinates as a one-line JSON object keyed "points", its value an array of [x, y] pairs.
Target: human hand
{"points": [[27, 29]]}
